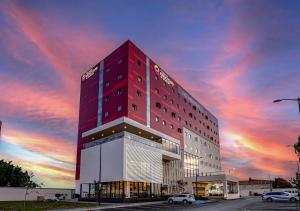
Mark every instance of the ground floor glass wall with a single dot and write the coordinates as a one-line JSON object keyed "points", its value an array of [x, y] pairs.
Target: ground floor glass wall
{"points": [[122, 189]]}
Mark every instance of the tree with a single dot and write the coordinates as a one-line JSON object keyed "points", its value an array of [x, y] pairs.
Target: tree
{"points": [[14, 176]]}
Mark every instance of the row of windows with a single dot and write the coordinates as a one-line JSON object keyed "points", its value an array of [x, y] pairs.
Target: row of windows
{"points": [[165, 97], [173, 114], [119, 108]]}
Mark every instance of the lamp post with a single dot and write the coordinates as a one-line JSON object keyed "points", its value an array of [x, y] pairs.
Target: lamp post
{"points": [[293, 99]]}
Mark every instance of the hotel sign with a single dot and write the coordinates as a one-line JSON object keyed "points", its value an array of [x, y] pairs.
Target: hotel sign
{"points": [[89, 73], [160, 73]]}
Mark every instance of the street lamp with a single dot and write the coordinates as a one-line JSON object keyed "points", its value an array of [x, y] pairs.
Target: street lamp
{"points": [[294, 99]]}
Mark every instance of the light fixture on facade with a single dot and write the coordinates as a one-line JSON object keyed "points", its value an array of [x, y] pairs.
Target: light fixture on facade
{"points": [[112, 131], [102, 134]]}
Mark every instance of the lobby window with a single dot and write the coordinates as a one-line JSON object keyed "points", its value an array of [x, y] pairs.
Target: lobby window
{"points": [[156, 90], [165, 109], [107, 84], [120, 76], [119, 108], [106, 114], [134, 107], [156, 119], [164, 122], [119, 92], [138, 93], [139, 79], [158, 105]]}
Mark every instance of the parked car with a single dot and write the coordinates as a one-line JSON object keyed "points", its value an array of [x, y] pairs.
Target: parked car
{"points": [[182, 198], [279, 196]]}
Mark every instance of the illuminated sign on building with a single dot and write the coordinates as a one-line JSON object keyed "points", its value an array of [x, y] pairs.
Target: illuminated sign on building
{"points": [[159, 72], [89, 73]]}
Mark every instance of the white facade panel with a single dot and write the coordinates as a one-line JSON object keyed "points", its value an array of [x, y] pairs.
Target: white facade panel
{"points": [[112, 161], [143, 163], [89, 168], [208, 152]]}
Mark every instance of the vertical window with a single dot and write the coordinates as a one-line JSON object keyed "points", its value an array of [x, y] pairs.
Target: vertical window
{"points": [[107, 84], [107, 70], [165, 109], [139, 79], [134, 107], [119, 92], [119, 108], [120, 76], [120, 61], [156, 91], [164, 122], [106, 114], [165, 97], [139, 63], [138, 93], [157, 119]]}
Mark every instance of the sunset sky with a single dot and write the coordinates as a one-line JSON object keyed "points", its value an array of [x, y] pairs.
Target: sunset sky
{"points": [[235, 57]]}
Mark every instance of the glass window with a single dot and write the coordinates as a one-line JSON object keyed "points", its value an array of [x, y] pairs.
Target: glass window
{"points": [[119, 92], [119, 108], [120, 76], [139, 79], [138, 93], [106, 114], [107, 84], [157, 119], [134, 107]]}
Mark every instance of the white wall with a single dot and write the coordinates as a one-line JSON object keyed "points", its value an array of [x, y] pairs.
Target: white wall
{"points": [[90, 159], [112, 161], [204, 149], [18, 194]]}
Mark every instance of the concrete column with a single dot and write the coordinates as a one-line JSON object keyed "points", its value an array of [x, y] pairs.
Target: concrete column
{"points": [[225, 189], [127, 189]]}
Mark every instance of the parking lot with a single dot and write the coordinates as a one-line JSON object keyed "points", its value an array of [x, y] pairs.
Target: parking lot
{"points": [[244, 204]]}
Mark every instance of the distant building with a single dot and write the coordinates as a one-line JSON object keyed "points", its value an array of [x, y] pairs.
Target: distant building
{"points": [[254, 186]]}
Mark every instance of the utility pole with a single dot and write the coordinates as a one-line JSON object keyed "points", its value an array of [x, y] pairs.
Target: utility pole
{"points": [[0, 127]]}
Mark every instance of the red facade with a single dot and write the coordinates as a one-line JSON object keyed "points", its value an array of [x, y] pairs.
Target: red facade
{"points": [[125, 94]]}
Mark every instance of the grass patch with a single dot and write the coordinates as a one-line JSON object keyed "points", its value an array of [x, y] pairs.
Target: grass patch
{"points": [[42, 205]]}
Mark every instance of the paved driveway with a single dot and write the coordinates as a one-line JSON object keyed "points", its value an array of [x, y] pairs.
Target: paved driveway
{"points": [[245, 204]]}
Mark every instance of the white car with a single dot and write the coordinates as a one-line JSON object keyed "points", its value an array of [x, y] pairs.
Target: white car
{"points": [[279, 196], [182, 198]]}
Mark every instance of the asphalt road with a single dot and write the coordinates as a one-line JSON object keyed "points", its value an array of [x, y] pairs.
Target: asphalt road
{"points": [[245, 204]]}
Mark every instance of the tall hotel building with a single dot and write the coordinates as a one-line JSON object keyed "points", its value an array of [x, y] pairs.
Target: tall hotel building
{"points": [[140, 133]]}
